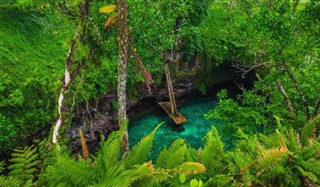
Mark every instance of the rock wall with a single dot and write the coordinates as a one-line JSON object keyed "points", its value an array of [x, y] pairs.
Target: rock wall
{"points": [[101, 117]]}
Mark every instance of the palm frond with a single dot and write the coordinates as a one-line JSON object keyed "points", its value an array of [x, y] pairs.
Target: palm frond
{"points": [[173, 156], [141, 150]]}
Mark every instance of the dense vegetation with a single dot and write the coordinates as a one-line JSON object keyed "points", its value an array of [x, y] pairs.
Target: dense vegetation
{"points": [[275, 124]]}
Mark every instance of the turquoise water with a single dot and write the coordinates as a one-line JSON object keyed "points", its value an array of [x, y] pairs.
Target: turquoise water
{"points": [[193, 131]]}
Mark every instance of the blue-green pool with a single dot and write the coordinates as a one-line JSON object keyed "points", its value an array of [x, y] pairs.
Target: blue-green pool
{"points": [[193, 131]]}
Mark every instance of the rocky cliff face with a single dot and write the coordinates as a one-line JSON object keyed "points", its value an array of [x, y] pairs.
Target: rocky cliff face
{"points": [[101, 117]]}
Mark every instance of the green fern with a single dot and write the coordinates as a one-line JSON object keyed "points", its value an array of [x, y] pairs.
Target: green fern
{"points": [[115, 176], [311, 165], [192, 155], [293, 141], [308, 130], [310, 175], [247, 144], [109, 152], [1, 166], [10, 181], [188, 168], [272, 140], [310, 151], [147, 175], [141, 171], [24, 163], [141, 151], [213, 152], [269, 159], [78, 173], [173, 156]]}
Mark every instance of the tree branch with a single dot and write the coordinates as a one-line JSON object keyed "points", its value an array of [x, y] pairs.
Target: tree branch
{"points": [[297, 87], [246, 69], [146, 72]]}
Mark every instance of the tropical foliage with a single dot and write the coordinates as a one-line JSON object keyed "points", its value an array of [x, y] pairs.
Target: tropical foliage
{"points": [[283, 158], [274, 123]]}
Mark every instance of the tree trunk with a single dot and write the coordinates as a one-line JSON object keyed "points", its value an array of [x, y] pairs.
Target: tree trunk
{"points": [[69, 76], [122, 64], [64, 90]]}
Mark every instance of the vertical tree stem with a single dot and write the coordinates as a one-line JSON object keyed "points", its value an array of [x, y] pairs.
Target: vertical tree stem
{"points": [[122, 65]]}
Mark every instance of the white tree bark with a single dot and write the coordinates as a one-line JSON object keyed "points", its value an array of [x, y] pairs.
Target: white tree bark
{"points": [[64, 89], [60, 100], [122, 65]]}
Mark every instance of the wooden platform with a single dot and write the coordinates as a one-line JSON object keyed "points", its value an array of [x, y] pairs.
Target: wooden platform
{"points": [[177, 119]]}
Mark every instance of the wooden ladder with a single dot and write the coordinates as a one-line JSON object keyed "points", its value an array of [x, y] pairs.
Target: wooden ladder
{"points": [[171, 107], [173, 104]]}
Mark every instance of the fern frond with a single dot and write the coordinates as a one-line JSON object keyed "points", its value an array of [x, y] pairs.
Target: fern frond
{"points": [[146, 175], [173, 156], [238, 161], [84, 147], [213, 152], [219, 180], [310, 175], [9, 181], [188, 168], [269, 159], [1, 166], [247, 144], [78, 173], [24, 163], [311, 165], [308, 130], [116, 176], [293, 140], [312, 150], [246, 180], [277, 173], [272, 140], [141, 150], [109, 152], [192, 155]]}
